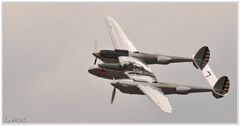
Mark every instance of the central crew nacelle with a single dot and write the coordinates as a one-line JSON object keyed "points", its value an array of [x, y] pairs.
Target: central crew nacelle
{"points": [[113, 66]]}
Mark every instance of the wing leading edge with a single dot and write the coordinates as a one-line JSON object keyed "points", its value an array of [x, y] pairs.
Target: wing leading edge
{"points": [[119, 38]]}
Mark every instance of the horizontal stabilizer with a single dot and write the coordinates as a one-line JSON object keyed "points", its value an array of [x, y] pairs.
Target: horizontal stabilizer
{"points": [[220, 86], [209, 75]]}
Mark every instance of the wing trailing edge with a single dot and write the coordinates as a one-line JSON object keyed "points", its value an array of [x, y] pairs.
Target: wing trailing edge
{"points": [[157, 97]]}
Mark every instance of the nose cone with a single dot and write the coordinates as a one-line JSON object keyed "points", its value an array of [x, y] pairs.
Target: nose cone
{"points": [[96, 54], [93, 70]]}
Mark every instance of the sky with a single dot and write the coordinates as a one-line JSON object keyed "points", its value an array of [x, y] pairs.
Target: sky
{"points": [[47, 51]]}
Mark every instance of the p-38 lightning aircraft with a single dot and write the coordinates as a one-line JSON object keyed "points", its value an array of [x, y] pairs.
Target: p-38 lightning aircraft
{"points": [[128, 68]]}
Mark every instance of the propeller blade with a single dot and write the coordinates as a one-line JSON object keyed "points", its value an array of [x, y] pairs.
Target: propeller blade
{"points": [[96, 51], [95, 46], [95, 61], [113, 95]]}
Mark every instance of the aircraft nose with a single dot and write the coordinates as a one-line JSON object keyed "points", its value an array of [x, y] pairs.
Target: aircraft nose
{"points": [[96, 54], [92, 70]]}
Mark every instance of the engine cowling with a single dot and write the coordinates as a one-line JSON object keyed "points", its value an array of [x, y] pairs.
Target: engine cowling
{"points": [[164, 60], [113, 53]]}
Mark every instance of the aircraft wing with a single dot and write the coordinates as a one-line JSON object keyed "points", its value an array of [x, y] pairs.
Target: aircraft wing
{"points": [[143, 76], [119, 38], [157, 97]]}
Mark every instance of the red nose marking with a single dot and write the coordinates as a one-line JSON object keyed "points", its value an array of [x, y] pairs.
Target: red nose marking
{"points": [[103, 72]]}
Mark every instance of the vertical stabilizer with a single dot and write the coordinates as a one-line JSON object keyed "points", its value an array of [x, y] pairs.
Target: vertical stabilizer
{"points": [[202, 57]]}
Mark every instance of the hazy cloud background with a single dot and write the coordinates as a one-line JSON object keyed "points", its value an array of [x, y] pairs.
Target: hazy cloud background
{"points": [[47, 51]]}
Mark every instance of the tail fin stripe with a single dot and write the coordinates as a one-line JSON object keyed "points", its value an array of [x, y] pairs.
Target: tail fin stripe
{"points": [[202, 57]]}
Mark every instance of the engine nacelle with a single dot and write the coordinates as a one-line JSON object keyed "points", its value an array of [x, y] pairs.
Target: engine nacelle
{"points": [[164, 60], [182, 90], [113, 53]]}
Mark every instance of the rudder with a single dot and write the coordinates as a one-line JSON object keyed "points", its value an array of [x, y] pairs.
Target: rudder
{"points": [[202, 57], [221, 87]]}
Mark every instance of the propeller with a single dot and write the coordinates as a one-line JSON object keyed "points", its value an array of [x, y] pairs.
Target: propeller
{"points": [[95, 61], [113, 95], [96, 46], [96, 51]]}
